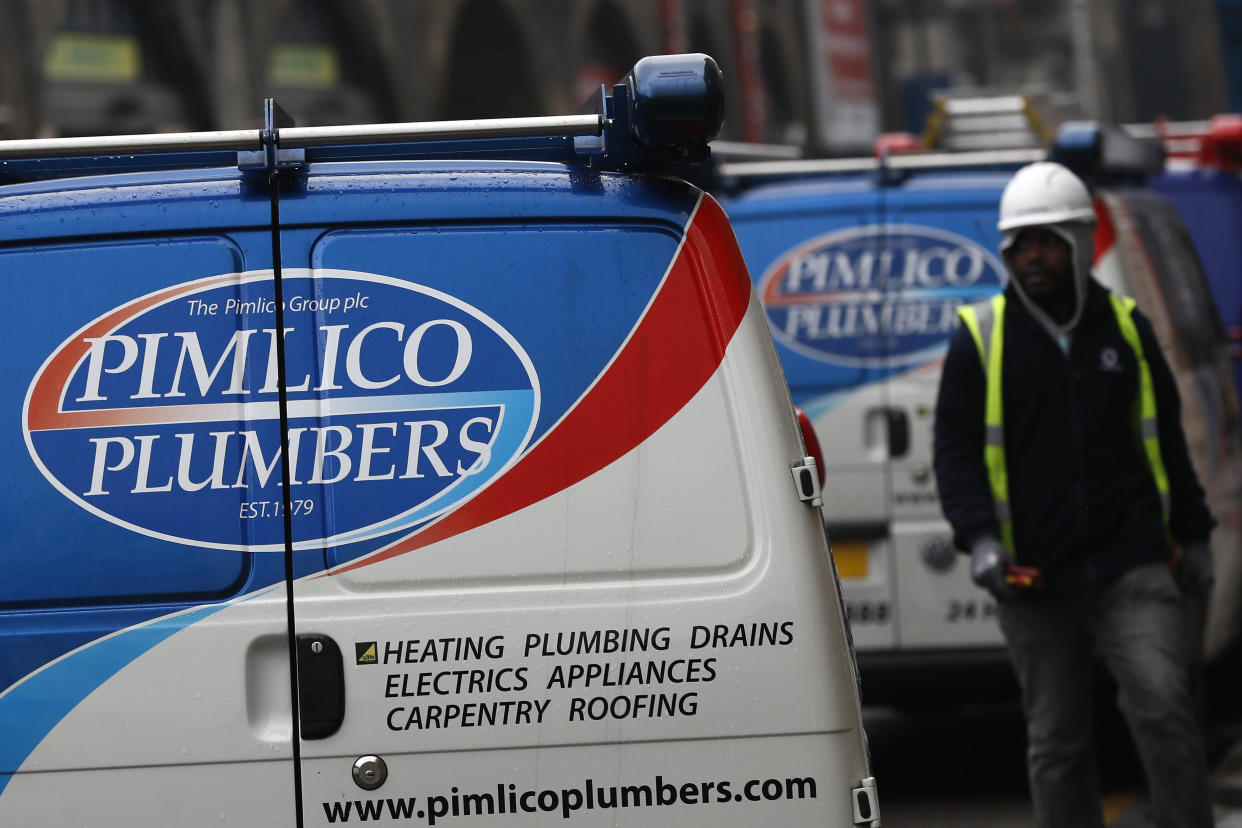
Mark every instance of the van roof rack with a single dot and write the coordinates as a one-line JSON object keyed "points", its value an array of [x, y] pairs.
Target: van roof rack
{"points": [[747, 151], [903, 162], [1091, 150], [1216, 142], [664, 112]]}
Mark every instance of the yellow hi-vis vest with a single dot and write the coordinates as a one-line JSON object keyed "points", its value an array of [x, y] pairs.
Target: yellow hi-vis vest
{"points": [[986, 323]]}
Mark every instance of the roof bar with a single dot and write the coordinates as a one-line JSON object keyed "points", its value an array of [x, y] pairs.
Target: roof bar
{"points": [[238, 139], [755, 152], [293, 137], [1172, 129], [811, 166], [913, 161]]}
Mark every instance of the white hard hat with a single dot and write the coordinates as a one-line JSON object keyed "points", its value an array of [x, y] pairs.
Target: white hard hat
{"points": [[1044, 193]]}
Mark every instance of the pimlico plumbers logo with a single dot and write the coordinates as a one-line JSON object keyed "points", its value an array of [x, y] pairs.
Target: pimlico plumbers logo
{"points": [[876, 295], [162, 415]]}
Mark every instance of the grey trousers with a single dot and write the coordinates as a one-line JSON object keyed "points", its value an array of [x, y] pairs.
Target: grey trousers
{"points": [[1136, 625]]}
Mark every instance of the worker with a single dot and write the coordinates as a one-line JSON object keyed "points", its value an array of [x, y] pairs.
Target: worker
{"points": [[1063, 469]]}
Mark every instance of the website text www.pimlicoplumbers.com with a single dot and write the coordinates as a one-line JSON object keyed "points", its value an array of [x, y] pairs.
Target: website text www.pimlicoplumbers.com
{"points": [[589, 796]]}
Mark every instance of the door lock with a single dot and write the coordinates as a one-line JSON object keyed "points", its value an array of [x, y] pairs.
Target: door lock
{"points": [[370, 772]]}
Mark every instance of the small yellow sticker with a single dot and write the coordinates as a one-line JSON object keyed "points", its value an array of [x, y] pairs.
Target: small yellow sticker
{"points": [[366, 652]]}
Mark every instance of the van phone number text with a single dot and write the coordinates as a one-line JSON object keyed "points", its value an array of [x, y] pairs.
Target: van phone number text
{"points": [[956, 611]]}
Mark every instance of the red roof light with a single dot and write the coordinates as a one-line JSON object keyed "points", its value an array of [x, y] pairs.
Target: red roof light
{"points": [[896, 143], [1222, 146]]}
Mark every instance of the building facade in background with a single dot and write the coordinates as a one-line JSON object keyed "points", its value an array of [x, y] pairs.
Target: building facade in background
{"points": [[825, 74], [1120, 61]]}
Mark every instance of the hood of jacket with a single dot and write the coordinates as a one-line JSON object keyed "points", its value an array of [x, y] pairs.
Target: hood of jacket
{"points": [[1082, 250]]}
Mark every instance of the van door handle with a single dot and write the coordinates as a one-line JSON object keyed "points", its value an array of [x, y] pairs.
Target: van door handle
{"points": [[321, 686], [886, 433], [898, 432]]}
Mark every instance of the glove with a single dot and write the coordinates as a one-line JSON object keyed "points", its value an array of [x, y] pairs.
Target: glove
{"points": [[1194, 571], [988, 559]]}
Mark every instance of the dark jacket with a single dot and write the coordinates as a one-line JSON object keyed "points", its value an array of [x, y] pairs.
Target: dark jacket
{"points": [[1084, 504]]}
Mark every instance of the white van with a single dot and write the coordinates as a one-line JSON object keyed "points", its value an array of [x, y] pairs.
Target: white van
{"points": [[861, 265], [431, 474]]}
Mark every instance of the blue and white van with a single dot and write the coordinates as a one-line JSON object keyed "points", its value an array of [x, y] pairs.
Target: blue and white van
{"points": [[1201, 179], [434, 474], [861, 265]]}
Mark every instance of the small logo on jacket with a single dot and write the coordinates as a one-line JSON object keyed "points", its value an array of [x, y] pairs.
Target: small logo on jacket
{"points": [[1109, 361]]}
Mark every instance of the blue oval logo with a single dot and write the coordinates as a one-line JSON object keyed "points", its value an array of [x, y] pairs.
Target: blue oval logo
{"points": [[878, 295], [163, 415]]}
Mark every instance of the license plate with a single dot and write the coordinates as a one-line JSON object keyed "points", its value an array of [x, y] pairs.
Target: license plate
{"points": [[851, 558]]}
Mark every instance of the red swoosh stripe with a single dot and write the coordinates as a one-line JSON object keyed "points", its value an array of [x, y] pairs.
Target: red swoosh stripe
{"points": [[673, 352], [1105, 233], [44, 409]]}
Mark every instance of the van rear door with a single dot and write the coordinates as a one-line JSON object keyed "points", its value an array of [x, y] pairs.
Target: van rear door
{"points": [[565, 551], [129, 651]]}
